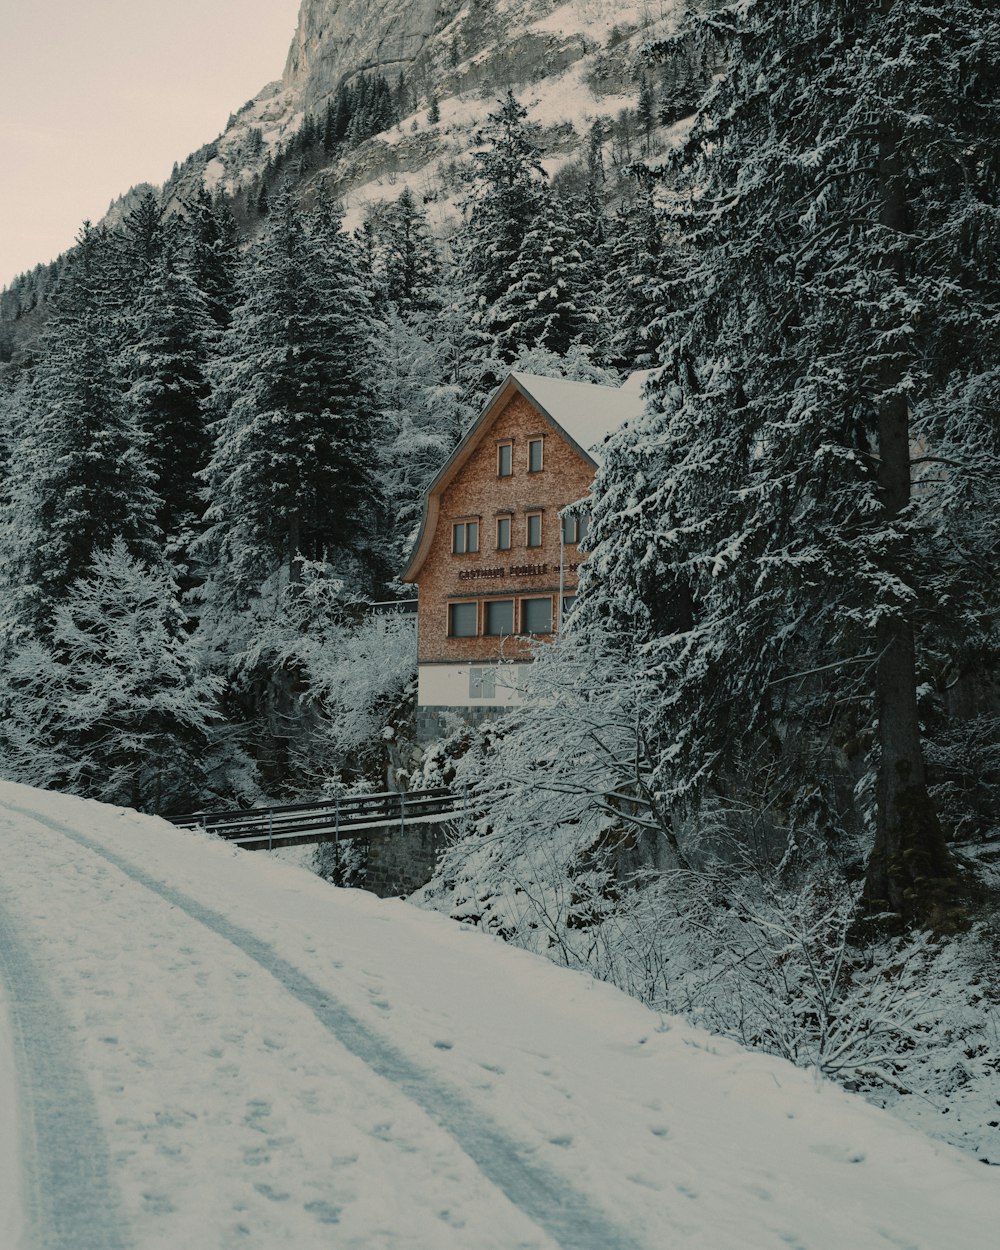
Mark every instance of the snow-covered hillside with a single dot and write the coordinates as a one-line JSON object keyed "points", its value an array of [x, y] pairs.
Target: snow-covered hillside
{"points": [[214, 1049], [570, 63]]}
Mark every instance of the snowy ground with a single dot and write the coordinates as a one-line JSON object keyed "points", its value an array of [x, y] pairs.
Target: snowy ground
{"points": [[213, 1049]]}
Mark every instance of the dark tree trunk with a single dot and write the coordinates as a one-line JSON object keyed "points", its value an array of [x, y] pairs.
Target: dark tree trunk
{"points": [[911, 873], [294, 548]]}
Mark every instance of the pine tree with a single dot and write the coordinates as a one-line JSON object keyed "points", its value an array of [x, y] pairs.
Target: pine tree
{"points": [[506, 198], [213, 247], [634, 295], [111, 705], [168, 394], [505, 204], [545, 304], [647, 112], [82, 477], [290, 477], [143, 233], [773, 527], [424, 414], [409, 264]]}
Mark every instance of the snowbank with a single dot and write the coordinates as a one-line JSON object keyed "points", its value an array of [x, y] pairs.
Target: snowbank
{"points": [[272, 1055]]}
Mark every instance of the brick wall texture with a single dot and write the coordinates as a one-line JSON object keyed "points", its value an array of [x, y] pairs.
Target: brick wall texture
{"points": [[478, 493]]}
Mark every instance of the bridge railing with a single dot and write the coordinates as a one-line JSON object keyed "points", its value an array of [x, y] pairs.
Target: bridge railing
{"points": [[298, 823]]}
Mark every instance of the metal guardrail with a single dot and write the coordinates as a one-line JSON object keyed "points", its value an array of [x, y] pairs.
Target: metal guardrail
{"points": [[296, 824]]}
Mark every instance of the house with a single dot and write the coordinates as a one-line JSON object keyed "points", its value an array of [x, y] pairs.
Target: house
{"points": [[496, 558]]}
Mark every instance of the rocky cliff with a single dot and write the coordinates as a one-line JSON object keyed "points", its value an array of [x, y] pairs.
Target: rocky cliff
{"points": [[336, 39]]}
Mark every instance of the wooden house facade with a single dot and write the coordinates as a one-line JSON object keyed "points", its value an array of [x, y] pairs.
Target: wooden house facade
{"points": [[497, 557]]}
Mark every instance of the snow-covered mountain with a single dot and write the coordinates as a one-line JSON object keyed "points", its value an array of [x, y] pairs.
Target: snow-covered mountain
{"points": [[570, 63]]}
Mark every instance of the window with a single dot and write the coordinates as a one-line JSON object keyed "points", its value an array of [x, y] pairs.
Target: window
{"points": [[575, 527], [534, 529], [499, 617], [505, 459], [535, 455], [482, 683], [503, 533], [462, 620], [567, 605], [465, 537], [536, 616]]}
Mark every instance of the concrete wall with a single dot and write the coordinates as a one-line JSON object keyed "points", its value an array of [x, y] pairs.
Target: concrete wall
{"points": [[448, 685]]}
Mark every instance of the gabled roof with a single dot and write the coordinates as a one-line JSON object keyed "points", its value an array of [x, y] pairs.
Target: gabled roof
{"points": [[582, 412], [586, 413]]}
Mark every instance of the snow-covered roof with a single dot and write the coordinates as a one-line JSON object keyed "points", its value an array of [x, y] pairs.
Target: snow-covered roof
{"points": [[583, 411], [587, 412]]}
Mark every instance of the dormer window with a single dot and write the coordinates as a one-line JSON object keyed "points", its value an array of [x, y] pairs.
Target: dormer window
{"points": [[505, 459], [536, 448], [464, 537]]}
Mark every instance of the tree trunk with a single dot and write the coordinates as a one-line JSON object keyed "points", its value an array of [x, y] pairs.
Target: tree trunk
{"points": [[294, 545], [911, 873]]}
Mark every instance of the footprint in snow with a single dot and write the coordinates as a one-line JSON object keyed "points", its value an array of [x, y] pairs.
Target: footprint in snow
{"points": [[273, 1194], [158, 1204], [325, 1212], [646, 1183]]}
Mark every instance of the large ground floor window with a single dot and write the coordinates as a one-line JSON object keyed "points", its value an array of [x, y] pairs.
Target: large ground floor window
{"points": [[536, 615], [531, 615], [463, 620], [499, 617]]}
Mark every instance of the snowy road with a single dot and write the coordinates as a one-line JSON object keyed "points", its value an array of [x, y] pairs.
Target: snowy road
{"points": [[213, 1049]]}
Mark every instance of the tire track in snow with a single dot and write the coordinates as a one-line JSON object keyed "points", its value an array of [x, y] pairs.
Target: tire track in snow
{"points": [[70, 1203], [548, 1199]]}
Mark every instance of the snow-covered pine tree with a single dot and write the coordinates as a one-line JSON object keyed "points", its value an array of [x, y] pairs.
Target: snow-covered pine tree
{"points": [[79, 472], [409, 262], [144, 235], [168, 393], [505, 203], [420, 397], [112, 704], [547, 300], [213, 244], [291, 474], [773, 525], [633, 293]]}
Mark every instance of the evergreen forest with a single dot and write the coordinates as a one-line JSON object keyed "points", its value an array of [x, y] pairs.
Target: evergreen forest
{"points": [[757, 780]]}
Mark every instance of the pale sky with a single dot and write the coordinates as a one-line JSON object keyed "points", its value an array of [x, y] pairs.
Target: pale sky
{"points": [[97, 95]]}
